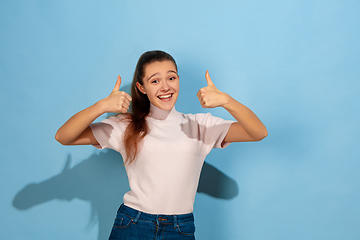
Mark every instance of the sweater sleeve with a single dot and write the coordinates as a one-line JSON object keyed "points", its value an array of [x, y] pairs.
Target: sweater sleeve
{"points": [[109, 133], [212, 131]]}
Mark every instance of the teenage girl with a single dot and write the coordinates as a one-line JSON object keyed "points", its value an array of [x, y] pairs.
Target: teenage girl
{"points": [[163, 150]]}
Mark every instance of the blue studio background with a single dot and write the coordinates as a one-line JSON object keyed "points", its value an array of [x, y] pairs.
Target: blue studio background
{"points": [[294, 63]]}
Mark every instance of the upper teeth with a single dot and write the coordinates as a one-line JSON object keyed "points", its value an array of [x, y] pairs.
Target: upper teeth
{"points": [[165, 96]]}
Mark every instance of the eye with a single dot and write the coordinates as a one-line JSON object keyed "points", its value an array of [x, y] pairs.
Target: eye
{"points": [[172, 78], [154, 81]]}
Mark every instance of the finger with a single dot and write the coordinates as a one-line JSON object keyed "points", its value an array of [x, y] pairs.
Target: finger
{"points": [[200, 92], [125, 106], [208, 79], [128, 97], [203, 104], [200, 98], [118, 83], [126, 101], [123, 110]]}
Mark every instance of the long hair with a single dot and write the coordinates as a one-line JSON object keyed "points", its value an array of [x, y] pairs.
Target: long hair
{"points": [[140, 105]]}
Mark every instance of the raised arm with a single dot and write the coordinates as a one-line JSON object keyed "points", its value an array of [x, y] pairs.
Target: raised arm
{"points": [[248, 126], [76, 130]]}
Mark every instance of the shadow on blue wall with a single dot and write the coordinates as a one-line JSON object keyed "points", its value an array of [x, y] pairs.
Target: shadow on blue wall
{"points": [[101, 179]]}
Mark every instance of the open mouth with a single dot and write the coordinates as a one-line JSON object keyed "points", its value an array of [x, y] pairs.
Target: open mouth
{"points": [[165, 96]]}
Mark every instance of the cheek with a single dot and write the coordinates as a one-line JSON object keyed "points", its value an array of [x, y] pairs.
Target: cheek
{"points": [[150, 91], [176, 86]]}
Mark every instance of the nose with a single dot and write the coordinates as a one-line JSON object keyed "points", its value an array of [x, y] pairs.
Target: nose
{"points": [[165, 86]]}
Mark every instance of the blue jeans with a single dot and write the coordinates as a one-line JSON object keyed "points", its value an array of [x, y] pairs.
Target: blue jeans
{"points": [[133, 224]]}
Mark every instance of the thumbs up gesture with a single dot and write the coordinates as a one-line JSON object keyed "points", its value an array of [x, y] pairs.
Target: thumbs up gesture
{"points": [[117, 101], [210, 96]]}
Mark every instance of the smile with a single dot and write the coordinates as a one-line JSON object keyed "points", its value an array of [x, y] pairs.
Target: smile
{"points": [[164, 97]]}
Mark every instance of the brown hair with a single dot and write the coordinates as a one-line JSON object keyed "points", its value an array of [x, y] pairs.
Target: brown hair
{"points": [[140, 104]]}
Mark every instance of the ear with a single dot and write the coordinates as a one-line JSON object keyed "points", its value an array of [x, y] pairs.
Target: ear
{"points": [[141, 88]]}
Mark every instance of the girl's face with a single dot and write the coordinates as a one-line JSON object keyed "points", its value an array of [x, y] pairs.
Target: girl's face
{"points": [[161, 84]]}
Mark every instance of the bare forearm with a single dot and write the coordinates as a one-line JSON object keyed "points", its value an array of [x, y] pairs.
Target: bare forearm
{"points": [[73, 127], [246, 118]]}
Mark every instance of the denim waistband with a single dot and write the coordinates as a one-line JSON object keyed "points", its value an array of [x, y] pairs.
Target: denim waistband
{"points": [[158, 218]]}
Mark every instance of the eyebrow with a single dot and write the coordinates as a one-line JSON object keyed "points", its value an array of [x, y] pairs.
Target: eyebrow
{"points": [[170, 71]]}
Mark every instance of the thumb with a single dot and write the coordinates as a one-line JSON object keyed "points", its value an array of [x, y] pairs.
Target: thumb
{"points": [[118, 83], [208, 79]]}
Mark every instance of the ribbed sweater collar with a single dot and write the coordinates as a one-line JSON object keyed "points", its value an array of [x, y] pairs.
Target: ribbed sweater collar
{"points": [[159, 114]]}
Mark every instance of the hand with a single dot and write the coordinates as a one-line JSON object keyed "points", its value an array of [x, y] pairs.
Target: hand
{"points": [[117, 101], [210, 96]]}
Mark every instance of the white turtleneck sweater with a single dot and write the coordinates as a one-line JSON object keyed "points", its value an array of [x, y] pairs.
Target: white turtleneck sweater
{"points": [[164, 176]]}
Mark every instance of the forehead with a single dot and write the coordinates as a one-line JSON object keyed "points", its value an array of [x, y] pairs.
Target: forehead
{"points": [[162, 67]]}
